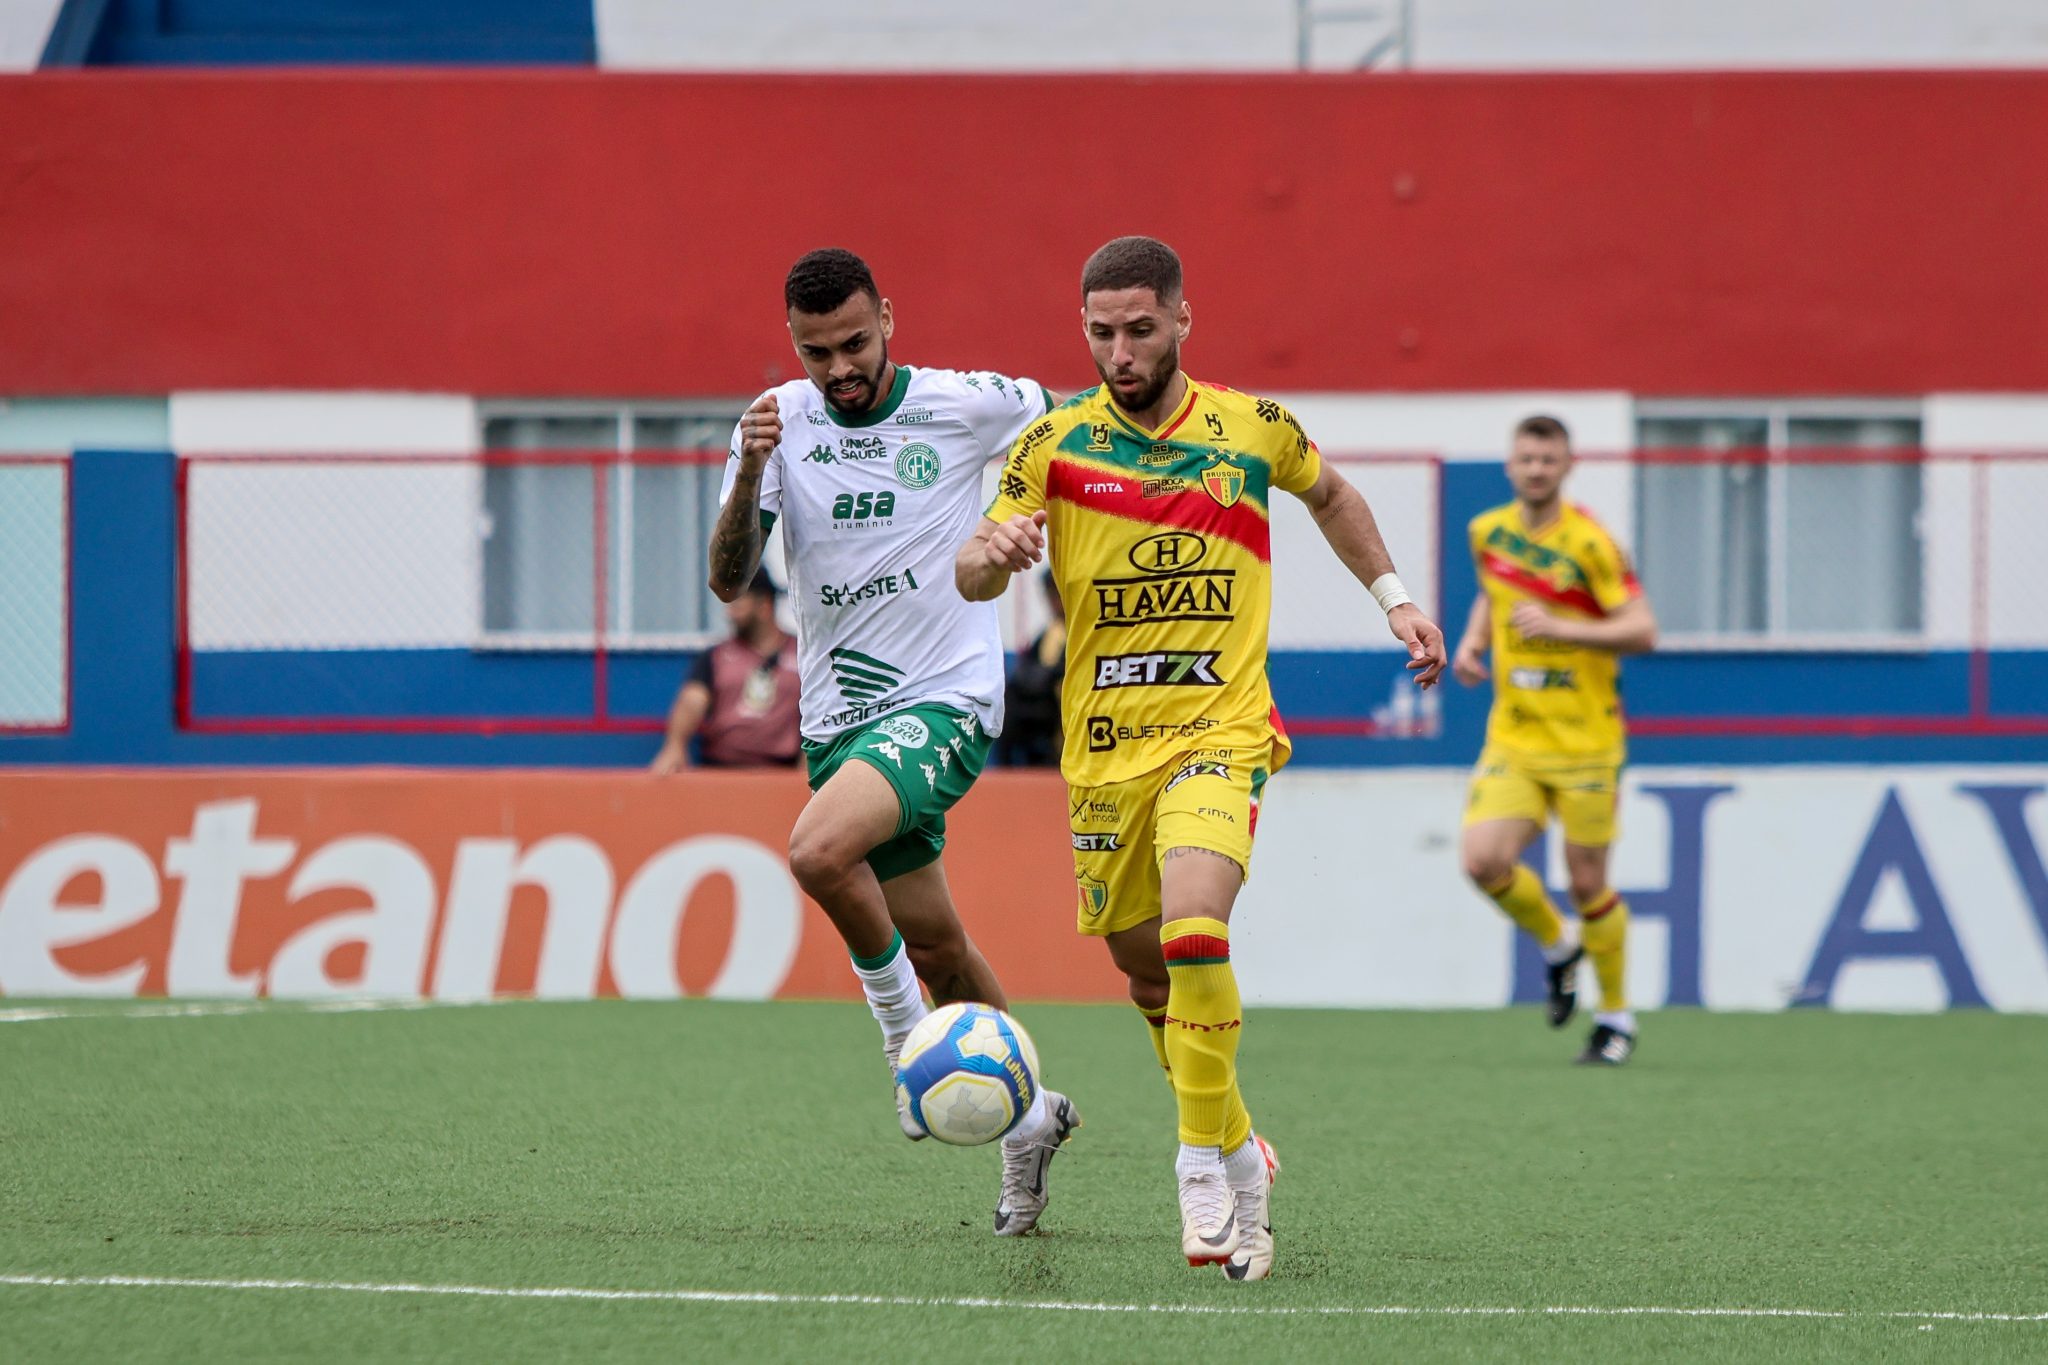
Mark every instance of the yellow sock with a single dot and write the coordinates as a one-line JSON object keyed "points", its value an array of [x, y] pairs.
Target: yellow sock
{"points": [[1204, 1017], [1157, 1020], [1524, 901], [1606, 939]]}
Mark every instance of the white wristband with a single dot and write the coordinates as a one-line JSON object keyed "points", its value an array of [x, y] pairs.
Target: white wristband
{"points": [[1388, 592]]}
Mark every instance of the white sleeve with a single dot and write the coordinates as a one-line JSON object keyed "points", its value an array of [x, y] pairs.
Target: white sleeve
{"points": [[1000, 408], [771, 477]]}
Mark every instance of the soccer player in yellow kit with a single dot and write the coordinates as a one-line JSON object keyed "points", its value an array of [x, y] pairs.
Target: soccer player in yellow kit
{"points": [[1558, 605], [1153, 488]]}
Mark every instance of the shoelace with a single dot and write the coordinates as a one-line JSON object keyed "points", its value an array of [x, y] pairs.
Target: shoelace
{"points": [[1206, 1197]]}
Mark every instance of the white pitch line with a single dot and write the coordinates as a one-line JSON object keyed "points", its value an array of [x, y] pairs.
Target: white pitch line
{"points": [[770, 1297]]}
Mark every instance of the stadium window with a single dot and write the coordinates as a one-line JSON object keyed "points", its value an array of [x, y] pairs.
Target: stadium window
{"points": [[539, 526], [1774, 552]]}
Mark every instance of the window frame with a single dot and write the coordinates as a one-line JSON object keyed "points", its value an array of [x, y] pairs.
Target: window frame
{"points": [[1778, 415], [616, 633]]}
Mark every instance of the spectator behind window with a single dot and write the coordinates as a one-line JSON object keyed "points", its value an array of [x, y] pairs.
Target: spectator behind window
{"points": [[1031, 701], [740, 700]]}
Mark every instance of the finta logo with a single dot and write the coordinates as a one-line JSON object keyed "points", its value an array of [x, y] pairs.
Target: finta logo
{"points": [[1107, 486], [1157, 670]]}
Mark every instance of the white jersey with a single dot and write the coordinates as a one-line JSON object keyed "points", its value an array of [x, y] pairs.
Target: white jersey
{"points": [[873, 511]]}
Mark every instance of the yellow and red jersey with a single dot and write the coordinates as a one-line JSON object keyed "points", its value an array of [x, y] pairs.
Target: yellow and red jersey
{"points": [[1161, 551], [1552, 700]]}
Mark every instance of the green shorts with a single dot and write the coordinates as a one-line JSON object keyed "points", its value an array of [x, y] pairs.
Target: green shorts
{"points": [[931, 755]]}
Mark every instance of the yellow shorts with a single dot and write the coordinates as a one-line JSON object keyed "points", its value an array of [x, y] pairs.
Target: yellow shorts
{"points": [[1202, 799], [1506, 788]]}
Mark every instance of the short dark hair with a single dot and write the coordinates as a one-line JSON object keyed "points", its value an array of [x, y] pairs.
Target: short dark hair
{"points": [[763, 586], [821, 280], [1544, 428], [1133, 263]]}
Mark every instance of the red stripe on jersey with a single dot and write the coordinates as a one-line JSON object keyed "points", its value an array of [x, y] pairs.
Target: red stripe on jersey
{"points": [[1196, 945], [1114, 493], [1517, 576]]}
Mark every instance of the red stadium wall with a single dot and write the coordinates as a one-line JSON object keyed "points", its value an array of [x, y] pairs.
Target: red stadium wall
{"points": [[572, 233]]}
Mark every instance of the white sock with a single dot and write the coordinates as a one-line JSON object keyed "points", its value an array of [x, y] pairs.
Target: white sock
{"points": [[1036, 1124], [1624, 1020], [1246, 1166], [893, 993], [1567, 944], [1195, 1161]]}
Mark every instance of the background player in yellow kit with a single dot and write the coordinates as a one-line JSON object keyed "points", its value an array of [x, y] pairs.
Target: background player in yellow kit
{"points": [[1154, 490], [1558, 605]]}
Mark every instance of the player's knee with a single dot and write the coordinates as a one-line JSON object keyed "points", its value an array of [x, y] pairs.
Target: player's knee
{"points": [[1587, 885], [1486, 867], [1148, 994], [818, 861]]}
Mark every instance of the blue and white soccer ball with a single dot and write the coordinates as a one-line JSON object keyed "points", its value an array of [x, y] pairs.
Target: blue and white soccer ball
{"points": [[968, 1073]]}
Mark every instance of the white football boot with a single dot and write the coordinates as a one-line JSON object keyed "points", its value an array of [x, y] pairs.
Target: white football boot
{"points": [[1208, 1218], [1253, 1259], [1024, 1166], [892, 1048]]}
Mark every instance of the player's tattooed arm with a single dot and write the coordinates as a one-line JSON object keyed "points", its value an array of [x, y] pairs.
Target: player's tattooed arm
{"points": [[737, 537]]}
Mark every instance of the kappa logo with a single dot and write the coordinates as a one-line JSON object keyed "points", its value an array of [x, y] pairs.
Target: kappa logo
{"points": [[1158, 669], [1096, 843], [821, 454], [931, 776], [890, 752]]}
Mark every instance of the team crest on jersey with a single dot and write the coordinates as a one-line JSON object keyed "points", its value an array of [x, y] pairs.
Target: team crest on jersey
{"points": [[917, 465], [1225, 482], [1094, 895]]}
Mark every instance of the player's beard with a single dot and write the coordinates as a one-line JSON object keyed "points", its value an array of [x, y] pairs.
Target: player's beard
{"points": [[869, 392], [1155, 385]]}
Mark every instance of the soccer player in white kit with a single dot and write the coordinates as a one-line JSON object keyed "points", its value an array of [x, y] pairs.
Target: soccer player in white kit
{"points": [[874, 472]]}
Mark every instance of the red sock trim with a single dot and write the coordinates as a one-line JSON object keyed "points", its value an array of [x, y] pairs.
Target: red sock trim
{"points": [[1206, 947], [1601, 906]]}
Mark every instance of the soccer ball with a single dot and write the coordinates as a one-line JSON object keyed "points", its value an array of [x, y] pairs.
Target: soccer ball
{"points": [[967, 1073]]}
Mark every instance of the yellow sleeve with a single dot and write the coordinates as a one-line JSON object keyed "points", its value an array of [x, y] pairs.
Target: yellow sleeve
{"points": [[1294, 460], [1608, 572], [1020, 487]]}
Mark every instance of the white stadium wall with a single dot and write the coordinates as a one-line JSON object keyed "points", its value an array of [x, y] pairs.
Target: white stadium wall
{"points": [[340, 546], [1446, 35]]}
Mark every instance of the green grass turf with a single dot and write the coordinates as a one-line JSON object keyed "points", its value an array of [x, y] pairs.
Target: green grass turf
{"points": [[1868, 1164]]}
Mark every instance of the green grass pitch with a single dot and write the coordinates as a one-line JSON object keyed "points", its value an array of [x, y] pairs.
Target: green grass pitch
{"points": [[1870, 1167]]}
